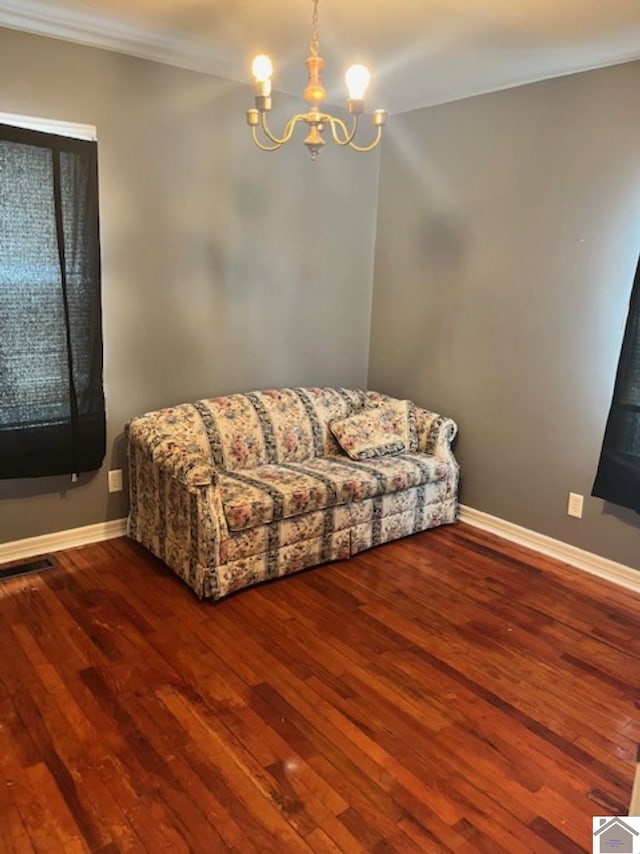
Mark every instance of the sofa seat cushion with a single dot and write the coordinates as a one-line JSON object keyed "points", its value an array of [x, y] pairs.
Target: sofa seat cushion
{"points": [[269, 493]]}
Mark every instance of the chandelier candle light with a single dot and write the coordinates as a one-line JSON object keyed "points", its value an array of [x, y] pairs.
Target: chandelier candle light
{"points": [[357, 79]]}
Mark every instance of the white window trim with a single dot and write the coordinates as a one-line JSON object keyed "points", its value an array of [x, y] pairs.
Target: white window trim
{"points": [[50, 126]]}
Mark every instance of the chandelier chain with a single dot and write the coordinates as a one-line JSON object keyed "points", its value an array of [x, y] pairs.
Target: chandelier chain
{"points": [[315, 41]]}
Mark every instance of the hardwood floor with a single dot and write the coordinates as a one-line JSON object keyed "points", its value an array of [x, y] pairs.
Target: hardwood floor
{"points": [[448, 692]]}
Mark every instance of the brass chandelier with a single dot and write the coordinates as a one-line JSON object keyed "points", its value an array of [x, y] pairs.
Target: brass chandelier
{"points": [[357, 79]]}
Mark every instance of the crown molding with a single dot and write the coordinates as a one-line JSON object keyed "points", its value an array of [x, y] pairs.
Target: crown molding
{"points": [[47, 18], [80, 27], [70, 129]]}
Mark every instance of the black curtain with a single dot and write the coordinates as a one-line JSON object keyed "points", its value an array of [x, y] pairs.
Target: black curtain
{"points": [[618, 477], [52, 413]]}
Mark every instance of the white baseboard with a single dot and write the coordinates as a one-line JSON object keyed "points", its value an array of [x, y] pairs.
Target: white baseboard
{"points": [[47, 543], [617, 573]]}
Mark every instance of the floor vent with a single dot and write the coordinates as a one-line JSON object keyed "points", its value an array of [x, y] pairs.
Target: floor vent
{"points": [[26, 566]]}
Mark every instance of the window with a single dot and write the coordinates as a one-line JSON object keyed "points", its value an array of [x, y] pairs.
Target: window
{"points": [[618, 477], [52, 418]]}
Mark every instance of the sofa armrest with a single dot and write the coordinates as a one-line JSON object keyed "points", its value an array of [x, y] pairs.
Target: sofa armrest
{"points": [[435, 433], [180, 459], [172, 502]]}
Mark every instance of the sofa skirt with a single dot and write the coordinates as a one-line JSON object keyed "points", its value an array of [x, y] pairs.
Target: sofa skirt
{"points": [[333, 534]]}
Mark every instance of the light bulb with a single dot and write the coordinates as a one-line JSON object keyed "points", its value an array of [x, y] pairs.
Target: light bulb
{"points": [[357, 79], [262, 68]]}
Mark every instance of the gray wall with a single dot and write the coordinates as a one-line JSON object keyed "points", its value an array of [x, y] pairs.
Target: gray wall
{"points": [[224, 269], [508, 234]]}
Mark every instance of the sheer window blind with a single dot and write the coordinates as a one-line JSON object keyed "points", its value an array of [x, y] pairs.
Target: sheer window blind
{"points": [[52, 414]]}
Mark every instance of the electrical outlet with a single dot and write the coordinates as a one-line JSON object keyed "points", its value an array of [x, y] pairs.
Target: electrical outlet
{"points": [[115, 480], [574, 507]]}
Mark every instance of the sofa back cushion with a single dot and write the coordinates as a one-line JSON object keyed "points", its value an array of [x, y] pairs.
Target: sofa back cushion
{"points": [[284, 425]]}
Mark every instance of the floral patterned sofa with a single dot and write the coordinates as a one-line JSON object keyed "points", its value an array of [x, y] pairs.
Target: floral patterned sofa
{"points": [[235, 490]]}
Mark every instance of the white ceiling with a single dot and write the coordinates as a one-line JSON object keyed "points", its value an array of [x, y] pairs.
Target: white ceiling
{"points": [[420, 52]]}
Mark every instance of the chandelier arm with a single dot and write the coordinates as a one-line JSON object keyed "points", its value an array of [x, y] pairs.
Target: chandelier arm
{"points": [[337, 124], [365, 148], [288, 130], [261, 145]]}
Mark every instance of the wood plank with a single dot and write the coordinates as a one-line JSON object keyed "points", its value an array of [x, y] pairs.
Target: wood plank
{"points": [[448, 692]]}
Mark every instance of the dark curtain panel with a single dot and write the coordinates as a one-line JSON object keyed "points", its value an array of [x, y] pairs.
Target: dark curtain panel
{"points": [[52, 414], [618, 477]]}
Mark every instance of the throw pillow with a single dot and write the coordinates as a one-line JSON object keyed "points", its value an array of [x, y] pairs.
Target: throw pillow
{"points": [[387, 428]]}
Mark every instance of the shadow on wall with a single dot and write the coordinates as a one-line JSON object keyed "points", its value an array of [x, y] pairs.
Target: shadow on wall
{"points": [[30, 487], [444, 240], [221, 278], [118, 458], [622, 514], [118, 502], [426, 254]]}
